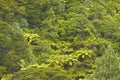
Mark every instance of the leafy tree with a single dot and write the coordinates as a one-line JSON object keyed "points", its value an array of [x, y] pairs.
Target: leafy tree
{"points": [[13, 13], [45, 73], [107, 66]]}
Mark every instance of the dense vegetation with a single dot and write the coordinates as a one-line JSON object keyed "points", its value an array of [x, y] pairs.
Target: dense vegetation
{"points": [[59, 39]]}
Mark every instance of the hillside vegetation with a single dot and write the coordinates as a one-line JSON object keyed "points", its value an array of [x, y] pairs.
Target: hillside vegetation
{"points": [[60, 39]]}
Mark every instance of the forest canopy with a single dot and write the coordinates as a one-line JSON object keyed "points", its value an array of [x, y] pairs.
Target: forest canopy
{"points": [[59, 39]]}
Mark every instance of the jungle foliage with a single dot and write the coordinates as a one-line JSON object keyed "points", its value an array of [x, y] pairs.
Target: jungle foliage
{"points": [[59, 39]]}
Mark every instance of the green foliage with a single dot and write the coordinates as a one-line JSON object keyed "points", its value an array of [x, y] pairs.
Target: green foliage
{"points": [[23, 23], [12, 48], [4, 40], [49, 39], [44, 74], [108, 65], [32, 39], [16, 28], [4, 27], [3, 70], [78, 63], [13, 13], [7, 77], [11, 62]]}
